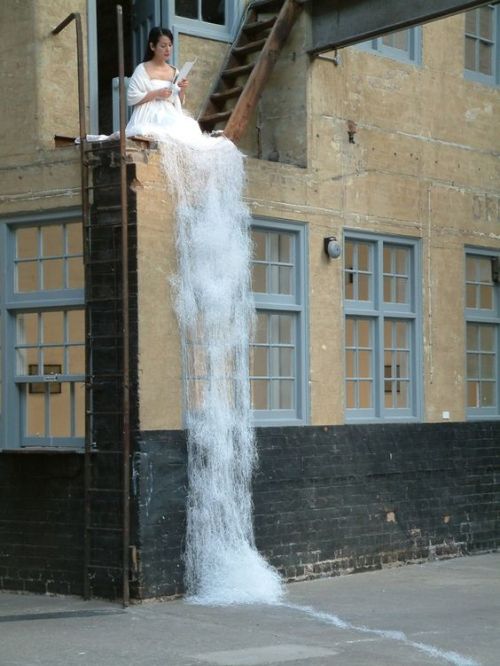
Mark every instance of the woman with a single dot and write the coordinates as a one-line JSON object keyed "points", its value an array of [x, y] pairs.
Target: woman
{"points": [[156, 96]]}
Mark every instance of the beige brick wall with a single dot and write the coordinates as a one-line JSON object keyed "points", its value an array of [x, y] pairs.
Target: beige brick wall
{"points": [[424, 165]]}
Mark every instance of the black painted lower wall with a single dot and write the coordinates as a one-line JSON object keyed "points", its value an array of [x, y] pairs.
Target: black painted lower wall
{"points": [[336, 499], [327, 500], [41, 522]]}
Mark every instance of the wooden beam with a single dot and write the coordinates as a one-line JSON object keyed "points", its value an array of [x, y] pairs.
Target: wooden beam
{"points": [[339, 23], [263, 67]]}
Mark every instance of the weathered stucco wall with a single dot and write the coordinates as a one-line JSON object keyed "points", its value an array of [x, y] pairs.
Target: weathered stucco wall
{"points": [[39, 100], [159, 362]]}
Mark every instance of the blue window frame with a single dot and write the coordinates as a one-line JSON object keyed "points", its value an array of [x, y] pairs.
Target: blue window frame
{"points": [[42, 331], [403, 45], [382, 328], [481, 48], [482, 315], [215, 19], [278, 362]]}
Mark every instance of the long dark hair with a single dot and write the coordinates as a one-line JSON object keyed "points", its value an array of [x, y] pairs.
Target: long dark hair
{"points": [[154, 38]]}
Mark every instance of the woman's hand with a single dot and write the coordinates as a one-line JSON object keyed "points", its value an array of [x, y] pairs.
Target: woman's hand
{"points": [[163, 93]]}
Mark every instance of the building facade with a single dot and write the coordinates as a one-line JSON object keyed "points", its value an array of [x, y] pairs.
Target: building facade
{"points": [[375, 374]]}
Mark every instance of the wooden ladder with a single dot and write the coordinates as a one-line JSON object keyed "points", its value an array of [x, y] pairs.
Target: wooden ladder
{"points": [[248, 65]]}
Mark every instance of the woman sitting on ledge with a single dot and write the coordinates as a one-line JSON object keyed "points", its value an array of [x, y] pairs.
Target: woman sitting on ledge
{"points": [[157, 96]]}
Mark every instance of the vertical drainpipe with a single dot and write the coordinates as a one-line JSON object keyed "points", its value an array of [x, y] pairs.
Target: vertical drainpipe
{"points": [[125, 314], [84, 176]]}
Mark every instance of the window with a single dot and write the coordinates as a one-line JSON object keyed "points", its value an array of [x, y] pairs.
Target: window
{"points": [[402, 45], [211, 11], [216, 19], [481, 44], [381, 326], [278, 362], [43, 324], [482, 311]]}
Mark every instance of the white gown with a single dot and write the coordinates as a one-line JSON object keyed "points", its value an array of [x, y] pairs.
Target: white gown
{"points": [[160, 118]]}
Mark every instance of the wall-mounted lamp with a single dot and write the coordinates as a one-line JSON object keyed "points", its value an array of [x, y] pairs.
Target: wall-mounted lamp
{"points": [[332, 247]]}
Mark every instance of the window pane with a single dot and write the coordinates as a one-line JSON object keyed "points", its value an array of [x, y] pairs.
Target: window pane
{"points": [[349, 285], [486, 297], [28, 361], [261, 329], [280, 248], [259, 278], [76, 360], [401, 290], [27, 328], [285, 280], [27, 243], [487, 338], [286, 329], [486, 22], [402, 330], [35, 411], [260, 362], [76, 325], [282, 394], [472, 365], [363, 257], [350, 364], [365, 394], [213, 11], [472, 336], [484, 268], [473, 394], [487, 394], [60, 410], [402, 257], [402, 395], [397, 40], [52, 241], [53, 327], [349, 332], [74, 238], [187, 8], [351, 395], [259, 394], [364, 329], [286, 363], [388, 287], [365, 364], [470, 268], [485, 58], [363, 287], [75, 273], [487, 366], [470, 22], [471, 296], [259, 245], [470, 54], [53, 274], [27, 277]]}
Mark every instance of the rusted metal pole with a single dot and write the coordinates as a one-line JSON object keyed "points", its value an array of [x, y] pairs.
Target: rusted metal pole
{"points": [[84, 176], [248, 99], [125, 314]]}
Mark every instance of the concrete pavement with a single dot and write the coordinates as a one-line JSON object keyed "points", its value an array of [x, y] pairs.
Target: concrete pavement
{"points": [[442, 612]]}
